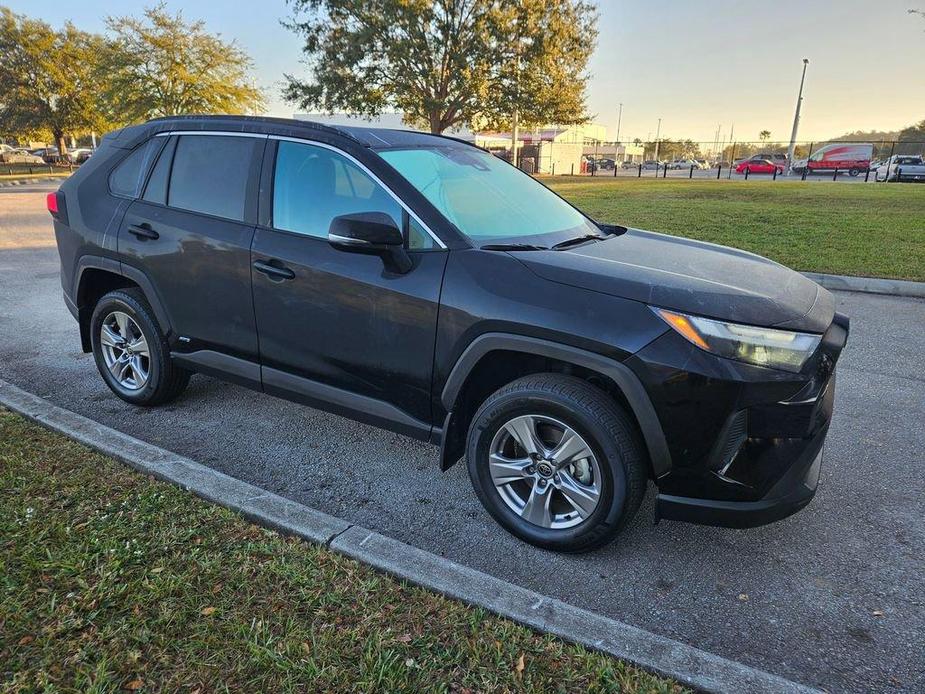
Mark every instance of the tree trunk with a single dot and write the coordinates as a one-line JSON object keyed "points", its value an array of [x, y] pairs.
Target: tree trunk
{"points": [[60, 142], [436, 124]]}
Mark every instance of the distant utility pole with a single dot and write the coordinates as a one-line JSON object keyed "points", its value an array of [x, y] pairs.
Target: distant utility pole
{"points": [[796, 118], [658, 130], [619, 119]]}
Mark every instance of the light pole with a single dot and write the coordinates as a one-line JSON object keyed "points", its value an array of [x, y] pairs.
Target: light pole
{"points": [[619, 119], [796, 119], [658, 130]]}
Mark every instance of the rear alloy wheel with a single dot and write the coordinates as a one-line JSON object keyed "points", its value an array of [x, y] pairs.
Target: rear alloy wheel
{"points": [[131, 353], [556, 462], [125, 350]]}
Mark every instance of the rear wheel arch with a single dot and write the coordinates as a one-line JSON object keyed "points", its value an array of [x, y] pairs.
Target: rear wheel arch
{"points": [[96, 277], [495, 359]]}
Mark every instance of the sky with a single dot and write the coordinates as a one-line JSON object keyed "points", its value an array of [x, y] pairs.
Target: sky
{"points": [[698, 65]]}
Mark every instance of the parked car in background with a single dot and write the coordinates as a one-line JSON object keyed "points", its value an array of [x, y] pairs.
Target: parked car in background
{"points": [[573, 362], [49, 155], [776, 157], [79, 155], [851, 157], [703, 163], [603, 164], [14, 155], [684, 164], [759, 165], [651, 164], [907, 168], [629, 164]]}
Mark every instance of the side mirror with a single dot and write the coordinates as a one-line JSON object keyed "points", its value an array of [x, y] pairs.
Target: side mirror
{"points": [[371, 233]]}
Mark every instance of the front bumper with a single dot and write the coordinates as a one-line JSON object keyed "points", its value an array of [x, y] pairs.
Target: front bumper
{"points": [[746, 442], [794, 491]]}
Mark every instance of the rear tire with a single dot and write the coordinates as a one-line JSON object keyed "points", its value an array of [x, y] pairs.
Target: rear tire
{"points": [[853, 172], [604, 471], [131, 353]]}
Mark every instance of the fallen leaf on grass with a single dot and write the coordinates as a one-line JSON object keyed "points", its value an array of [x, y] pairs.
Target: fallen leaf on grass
{"points": [[157, 570], [306, 648], [28, 638], [206, 611], [519, 668], [404, 638], [134, 685], [409, 662]]}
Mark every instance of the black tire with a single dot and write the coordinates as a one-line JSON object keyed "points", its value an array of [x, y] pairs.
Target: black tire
{"points": [[166, 381], [853, 172], [606, 428]]}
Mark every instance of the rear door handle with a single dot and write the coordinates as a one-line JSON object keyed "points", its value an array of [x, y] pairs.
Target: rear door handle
{"points": [[274, 272], [143, 231]]}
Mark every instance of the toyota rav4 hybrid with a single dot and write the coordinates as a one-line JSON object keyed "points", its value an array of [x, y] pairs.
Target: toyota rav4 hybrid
{"points": [[422, 285]]}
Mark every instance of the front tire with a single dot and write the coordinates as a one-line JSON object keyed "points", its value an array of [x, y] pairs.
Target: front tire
{"points": [[131, 353], [556, 462]]}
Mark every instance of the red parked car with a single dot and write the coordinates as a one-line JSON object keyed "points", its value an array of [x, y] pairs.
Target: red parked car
{"points": [[756, 165]]}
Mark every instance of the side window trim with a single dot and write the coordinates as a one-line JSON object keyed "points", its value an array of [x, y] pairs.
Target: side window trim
{"points": [[266, 217]]}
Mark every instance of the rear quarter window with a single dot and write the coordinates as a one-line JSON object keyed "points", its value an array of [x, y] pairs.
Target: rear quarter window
{"points": [[128, 178]]}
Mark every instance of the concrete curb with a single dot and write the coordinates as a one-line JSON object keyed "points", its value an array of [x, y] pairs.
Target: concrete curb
{"points": [[868, 285], [692, 666]]}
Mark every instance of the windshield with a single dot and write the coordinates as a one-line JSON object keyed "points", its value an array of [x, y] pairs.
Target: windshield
{"points": [[488, 199]]}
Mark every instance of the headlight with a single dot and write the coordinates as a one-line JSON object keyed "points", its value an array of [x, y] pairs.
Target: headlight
{"points": [[776, 349]]}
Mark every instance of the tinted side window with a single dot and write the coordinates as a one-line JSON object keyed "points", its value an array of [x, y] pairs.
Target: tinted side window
{"points": [[128, 178], [211, 173], [313, 185]]}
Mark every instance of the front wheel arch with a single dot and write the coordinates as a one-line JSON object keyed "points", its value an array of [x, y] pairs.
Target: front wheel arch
{"points": [[463, 392]]}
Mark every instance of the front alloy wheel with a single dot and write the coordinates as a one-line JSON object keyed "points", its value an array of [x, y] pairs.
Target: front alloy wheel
{"points": [[544, 471], [556, 461]]}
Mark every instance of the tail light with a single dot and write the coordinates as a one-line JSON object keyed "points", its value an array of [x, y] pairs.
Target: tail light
{"points": [[57, 206]]}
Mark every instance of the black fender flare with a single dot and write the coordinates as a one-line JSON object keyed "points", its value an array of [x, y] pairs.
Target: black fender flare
{"points": [[95, 262], [619, 373]]}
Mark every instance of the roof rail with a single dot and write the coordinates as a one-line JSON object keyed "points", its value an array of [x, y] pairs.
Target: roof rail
{"points": [[291, 122]]}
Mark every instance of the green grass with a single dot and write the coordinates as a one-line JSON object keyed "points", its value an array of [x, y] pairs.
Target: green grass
{"points": [[112, 581], [873, 230]]}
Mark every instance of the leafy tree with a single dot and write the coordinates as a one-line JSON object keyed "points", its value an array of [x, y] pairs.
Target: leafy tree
{"points": [[764, 136], [162, 65], [446, 63], [911, 140], [48, 79]]}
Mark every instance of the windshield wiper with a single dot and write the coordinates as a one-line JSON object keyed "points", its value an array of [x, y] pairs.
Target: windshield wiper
{"points": [[513, 247], [576, 240]]}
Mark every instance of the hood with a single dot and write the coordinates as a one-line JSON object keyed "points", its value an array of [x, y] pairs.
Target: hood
{"points": [[692, 277]]}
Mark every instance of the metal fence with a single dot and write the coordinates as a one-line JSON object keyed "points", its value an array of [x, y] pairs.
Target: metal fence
{"points": [[812, 160]]}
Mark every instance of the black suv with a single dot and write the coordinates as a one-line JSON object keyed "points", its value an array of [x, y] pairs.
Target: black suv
{"points": [[420, 284]]}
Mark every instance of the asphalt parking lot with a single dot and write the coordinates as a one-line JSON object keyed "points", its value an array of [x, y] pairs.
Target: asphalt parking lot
{"points": [[831, 597]]}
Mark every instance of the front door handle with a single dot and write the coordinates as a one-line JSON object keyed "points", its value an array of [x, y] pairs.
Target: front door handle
{"points": [[274, 272], [143, 231]]}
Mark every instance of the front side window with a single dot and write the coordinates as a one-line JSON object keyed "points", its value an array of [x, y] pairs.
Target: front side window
{"points": [[486, 198], [210, 174], [313, 185]]}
